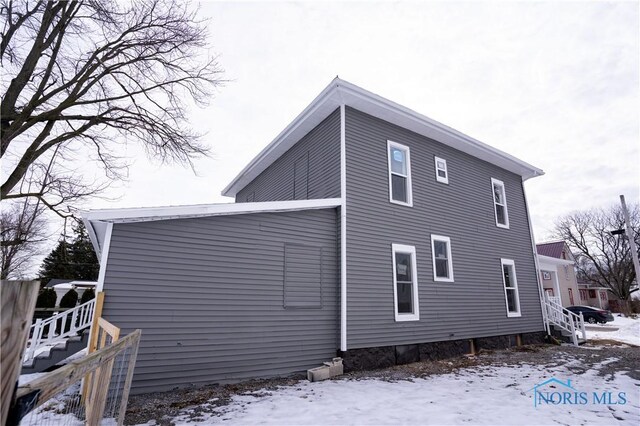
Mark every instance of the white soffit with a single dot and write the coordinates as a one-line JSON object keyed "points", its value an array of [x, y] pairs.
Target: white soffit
{"points": [[342, 92]]}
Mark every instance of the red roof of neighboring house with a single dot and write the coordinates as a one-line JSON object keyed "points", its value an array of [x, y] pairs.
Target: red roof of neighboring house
{"points": [[553, 249]]}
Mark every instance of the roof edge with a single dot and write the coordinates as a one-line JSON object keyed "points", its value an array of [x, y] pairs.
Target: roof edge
{"points": [[340, 92], [144, 214]]}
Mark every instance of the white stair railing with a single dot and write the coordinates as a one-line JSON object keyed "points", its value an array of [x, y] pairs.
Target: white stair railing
{"points": [[45, 332], [564, 318]]}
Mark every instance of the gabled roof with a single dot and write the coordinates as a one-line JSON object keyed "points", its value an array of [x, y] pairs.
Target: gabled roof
{"points": [[340, 92], [96, 221], [551, 249]]}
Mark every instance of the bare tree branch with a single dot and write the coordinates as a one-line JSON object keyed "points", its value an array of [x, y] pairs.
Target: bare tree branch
{"points": [[601, 258], [92, 75]]}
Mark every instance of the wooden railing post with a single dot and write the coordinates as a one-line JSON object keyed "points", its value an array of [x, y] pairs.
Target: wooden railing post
{"points": [[17, 303], [97, 313]]}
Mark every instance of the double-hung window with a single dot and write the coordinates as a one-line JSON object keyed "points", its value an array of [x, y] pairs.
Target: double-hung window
{"points": [[405, 283], [510, 287], [500, 203], [399, 174], [442, 263], [442, 175]]}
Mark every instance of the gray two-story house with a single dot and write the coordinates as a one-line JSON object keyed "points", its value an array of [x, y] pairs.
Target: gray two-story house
{"points": [[364, 229]]}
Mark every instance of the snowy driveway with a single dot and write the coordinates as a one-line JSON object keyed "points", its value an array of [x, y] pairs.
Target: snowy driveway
{"points": [[499, 393]]}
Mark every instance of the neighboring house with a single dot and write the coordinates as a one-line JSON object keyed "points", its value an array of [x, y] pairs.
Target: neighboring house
{"points": [[557, 272], [364, 229], [593, 295]]}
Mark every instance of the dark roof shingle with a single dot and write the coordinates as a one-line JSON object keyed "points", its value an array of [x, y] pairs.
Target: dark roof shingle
{"points": [[551, 249]]}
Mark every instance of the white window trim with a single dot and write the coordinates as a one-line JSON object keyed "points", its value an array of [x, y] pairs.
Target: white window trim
{"points": [[405, 148], [495, 204], [415, 316], [446, 170], [447, 240], [511, 263]]}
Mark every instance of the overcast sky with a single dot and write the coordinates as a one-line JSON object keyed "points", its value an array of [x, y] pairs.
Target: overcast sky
{"points": [[555, 84]]}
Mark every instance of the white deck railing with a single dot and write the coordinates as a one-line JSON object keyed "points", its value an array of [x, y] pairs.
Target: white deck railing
{"points": [[54, 327], [563, 318]]}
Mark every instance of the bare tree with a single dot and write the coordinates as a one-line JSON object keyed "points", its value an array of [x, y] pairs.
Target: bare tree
{"points": [[84, 78], [23, 230], [602, 258]]}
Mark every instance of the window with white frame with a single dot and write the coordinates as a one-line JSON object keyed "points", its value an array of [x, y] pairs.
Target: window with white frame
{"points": [[405, 283], [442, 263], [399, 174], [510, 287], [500, 203], [442, 175]]}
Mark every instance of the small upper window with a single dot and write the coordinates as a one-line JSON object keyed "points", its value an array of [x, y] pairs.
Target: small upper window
{"points": [[441, 170], [405, 282], [399, 174], [500, 203], [442, 264], [510, 287]]}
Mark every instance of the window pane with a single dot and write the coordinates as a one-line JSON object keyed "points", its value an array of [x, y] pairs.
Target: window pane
{"points": [[441, 165], [511, 300], [399, 188], [442, 173], [440, 248], [403, 267], [500, 214], [506, 269], [442, 268], [405, 298], [497, 194], [398, 161]]}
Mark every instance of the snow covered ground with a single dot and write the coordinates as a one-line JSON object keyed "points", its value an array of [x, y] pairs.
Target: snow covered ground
{"points": [[628, 330], [485, 395]]}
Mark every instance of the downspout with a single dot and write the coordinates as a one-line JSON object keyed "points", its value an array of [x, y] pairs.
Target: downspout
{"points": [[343, 232]]}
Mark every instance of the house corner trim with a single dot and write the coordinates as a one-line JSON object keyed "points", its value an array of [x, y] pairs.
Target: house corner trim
{"points": [[343, 232]]}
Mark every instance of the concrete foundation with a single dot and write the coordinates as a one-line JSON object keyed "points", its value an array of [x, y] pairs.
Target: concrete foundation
{"points": [[387, 356]]}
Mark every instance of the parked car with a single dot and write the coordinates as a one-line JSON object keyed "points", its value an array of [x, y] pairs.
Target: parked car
{"points": [[592, 315]]}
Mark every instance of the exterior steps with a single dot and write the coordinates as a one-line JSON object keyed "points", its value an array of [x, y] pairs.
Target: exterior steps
{"points": [[565, 336], [56, 354]]}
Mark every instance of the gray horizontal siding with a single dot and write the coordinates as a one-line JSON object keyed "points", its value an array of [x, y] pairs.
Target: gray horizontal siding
{"points": [[473, 305], [208, 296], [316, 156]]}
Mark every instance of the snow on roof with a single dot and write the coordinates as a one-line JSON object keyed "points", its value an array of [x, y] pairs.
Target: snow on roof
{"points": [[340, 92]]}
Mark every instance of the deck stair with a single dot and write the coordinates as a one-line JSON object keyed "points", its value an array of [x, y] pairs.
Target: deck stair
{"points": [[58, 337], [57, 353], [562, 320]]}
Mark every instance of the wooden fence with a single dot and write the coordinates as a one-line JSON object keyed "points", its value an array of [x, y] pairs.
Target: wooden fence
{"points": [[99, 366], [17, 301]]}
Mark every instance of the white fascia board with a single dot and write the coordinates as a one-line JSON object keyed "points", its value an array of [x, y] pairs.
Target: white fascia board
{"points": [[390, 111], [552, 261], [146, 214], [342, 92]]}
